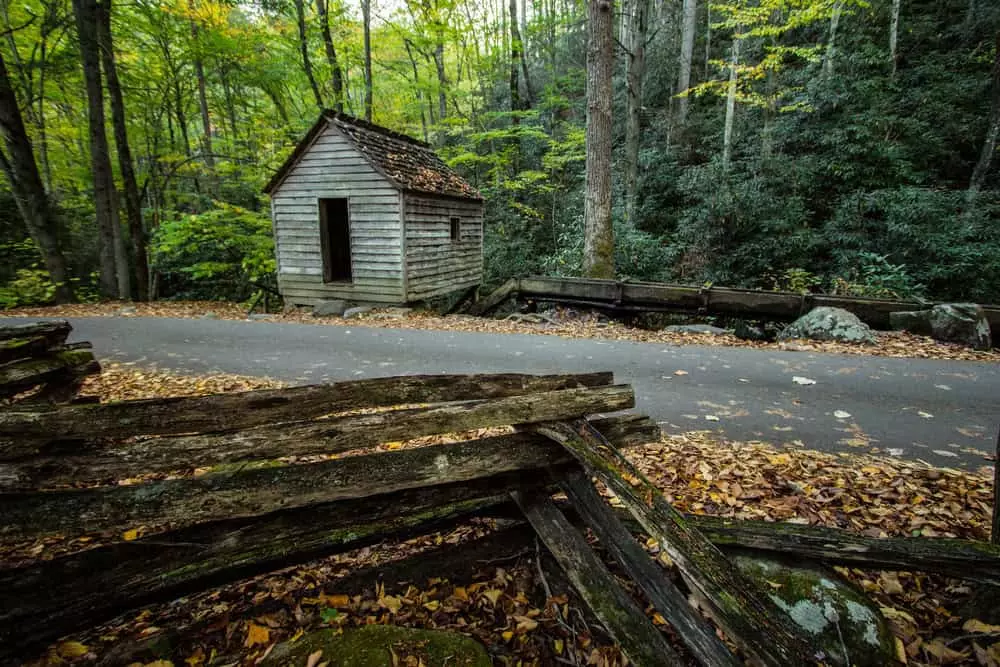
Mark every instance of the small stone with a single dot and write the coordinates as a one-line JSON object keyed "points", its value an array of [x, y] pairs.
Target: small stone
{"points": [[260, 316], [357, 311], [334, 307], [825, 323], [126, 310], [696, 329]]}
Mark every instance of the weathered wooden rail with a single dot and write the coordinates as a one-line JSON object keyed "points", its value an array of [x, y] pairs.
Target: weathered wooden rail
{"points": [[229, 486], [662, 297], [38, 366]]}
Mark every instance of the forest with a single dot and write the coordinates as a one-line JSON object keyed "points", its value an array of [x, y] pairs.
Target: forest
{"points": [[840, 146]]}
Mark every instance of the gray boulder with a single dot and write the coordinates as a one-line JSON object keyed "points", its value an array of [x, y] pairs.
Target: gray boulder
{"points": [[357, 311], [375, 646], [963, 323], [696, 329], [844, 623], [825, 323], [334, 307]]}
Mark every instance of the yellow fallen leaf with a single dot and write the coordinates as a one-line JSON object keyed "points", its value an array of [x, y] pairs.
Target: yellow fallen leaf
{"points": [[257, 634], [558, 646], [298, 635], [460, 593], [975, 625], [337, 600], [508, 635], [391, 602], [526, 624], [159, 663], [71, 649], [132, 534], [433, 605], [493, 595]]}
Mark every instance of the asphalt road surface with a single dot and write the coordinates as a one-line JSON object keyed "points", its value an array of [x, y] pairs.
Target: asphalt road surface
{"points": [[944, 412]]}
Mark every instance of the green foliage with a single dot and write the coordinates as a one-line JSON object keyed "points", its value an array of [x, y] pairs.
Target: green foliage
{"points": [[797, 280], [222, 253], [30, 287]]}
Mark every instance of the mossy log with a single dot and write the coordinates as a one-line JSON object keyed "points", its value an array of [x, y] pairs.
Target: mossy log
{"points": [[256, 491], [696, 633], [58, 366], [29, 432], [743, 609], [56, 331], [618, 613], [326, 436], [43, 601]]}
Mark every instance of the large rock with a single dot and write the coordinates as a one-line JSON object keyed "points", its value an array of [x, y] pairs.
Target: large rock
{"points": [[825, 323], [963, 323], [843, 623], [330, 308], [374, 645]]}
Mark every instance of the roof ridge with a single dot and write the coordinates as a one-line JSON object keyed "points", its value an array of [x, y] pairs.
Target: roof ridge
{"points": [[331, 114]]}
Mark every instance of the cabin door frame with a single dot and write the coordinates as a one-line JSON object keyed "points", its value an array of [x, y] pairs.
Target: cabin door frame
{"points": [[335, 239]]}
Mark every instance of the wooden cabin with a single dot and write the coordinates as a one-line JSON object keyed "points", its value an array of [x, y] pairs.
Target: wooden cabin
{"points": [[365, 214]]}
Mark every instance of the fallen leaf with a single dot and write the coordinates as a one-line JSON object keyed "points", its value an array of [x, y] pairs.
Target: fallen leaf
{"points": [[711, 418], [256, 634], [925, 415], [840, 414], [314, 658], [975, 625], [72, 649], [803, 381], [680, 372]]}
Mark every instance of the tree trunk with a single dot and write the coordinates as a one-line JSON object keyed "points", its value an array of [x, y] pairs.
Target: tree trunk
{"points": [[336, 75], [366, 15], [690, 23], [206, 120], [515, 64], [100, 163], [300, 21], [633, 116], [133, 207], [831, 45], [416, 85], [727, 137], [599, 242], [894, 35], [442, 76], [992, 134], [33, 203]]}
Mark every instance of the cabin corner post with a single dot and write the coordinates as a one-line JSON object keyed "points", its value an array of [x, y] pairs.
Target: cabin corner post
{"points": [[403, 252]]}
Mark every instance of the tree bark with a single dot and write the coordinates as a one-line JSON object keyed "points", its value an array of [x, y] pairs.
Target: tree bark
{"points": [[133, 207], [366, 15], [100, 162], [894, 35], [336, 75], [689, 25], [599, 242], [727, 136], [206, 120], [33, 202], [515, 64], [992, 134], [636, 69], [300, 21]]}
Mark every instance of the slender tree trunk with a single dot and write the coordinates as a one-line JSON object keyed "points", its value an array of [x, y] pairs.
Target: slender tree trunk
{"points": [[727, 137], [992, 134], [518, 57], [133, 207], [599, 242], [43, 140], [206, 119], [417, 86], [442, 76], [515, 64], [33, 202], [300, 20], [831, 45], [366, 15], [100, 163], [336, 75], [708, 38], [894, 35], [689, 25], [636, 69]]}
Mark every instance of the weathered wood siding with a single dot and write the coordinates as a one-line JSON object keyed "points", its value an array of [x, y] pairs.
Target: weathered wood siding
{"points": [[331, 168], [434, 263]]}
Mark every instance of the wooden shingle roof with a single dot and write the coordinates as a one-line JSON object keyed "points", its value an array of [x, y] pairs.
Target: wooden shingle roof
{"points": [[407, 163]]}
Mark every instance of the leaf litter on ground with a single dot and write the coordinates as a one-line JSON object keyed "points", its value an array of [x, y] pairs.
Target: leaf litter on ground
{"points": [[698, 472]]}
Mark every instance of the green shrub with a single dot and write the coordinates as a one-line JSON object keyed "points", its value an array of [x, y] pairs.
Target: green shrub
{"points": [[30, 287]]}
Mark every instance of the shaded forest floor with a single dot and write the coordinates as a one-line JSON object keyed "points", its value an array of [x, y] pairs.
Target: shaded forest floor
{"points": [[585, 325], [498, 600]]}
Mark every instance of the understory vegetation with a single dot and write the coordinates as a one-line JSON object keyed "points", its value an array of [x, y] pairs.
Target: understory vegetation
{"points": [[840, 146]]}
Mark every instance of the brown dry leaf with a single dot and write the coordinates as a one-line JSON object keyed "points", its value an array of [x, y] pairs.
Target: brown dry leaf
{"points": [[314, 658], [256, 634], [975, 625], [943, 654]]}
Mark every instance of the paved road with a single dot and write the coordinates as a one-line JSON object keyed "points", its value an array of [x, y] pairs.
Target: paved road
{"points": [[946, 413]]}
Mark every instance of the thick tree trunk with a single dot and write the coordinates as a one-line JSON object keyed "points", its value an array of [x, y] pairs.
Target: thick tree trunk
{"points": [[638, 19], [992, 134], [727, 135], [599, 241], [33, 202], [300, 21], [366, 15], [133, 207], [100, 162], [690, 23], [336, 75]]}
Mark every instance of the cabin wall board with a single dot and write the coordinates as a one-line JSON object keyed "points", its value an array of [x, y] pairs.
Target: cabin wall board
{"points": [[435, 264]]}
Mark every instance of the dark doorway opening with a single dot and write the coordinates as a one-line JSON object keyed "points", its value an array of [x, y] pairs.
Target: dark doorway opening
{"points": [[335, 240]]}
